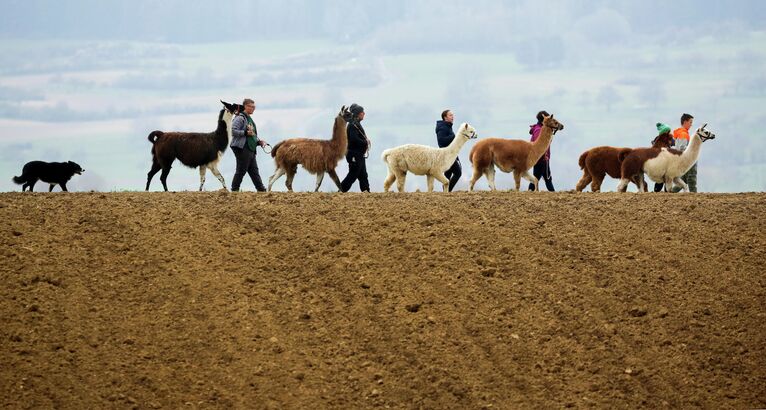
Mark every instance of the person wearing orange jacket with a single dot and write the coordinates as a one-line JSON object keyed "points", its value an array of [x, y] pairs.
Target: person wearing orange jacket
{"points": [[681, 135]]}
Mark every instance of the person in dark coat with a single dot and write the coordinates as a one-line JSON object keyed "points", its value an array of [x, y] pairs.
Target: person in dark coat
{"points": [[358, 145], [444, 137], [244, 142], [542, 168]]}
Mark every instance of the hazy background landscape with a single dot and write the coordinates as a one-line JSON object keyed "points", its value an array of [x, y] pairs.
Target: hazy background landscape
{"points": [[87, 81]]}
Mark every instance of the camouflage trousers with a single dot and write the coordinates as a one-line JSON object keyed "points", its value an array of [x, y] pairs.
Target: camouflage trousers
{"points": [[690, 177]]}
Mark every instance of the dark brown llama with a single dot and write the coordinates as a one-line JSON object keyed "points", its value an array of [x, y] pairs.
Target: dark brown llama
{"points": [[316, 156], [193, 149], [598, 162]]}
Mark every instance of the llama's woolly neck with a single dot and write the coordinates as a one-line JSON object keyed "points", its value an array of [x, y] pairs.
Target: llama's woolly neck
{"points": [[227, 119], [446, 156], [541, 144], [339, 135], [692, 152], [222, 136], [457, 142]]}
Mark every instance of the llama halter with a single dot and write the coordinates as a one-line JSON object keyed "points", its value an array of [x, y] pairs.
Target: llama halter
{"points": [[705, 134]]}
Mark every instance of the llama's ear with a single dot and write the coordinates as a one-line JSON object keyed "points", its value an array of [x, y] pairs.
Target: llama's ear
{"points": [[703, 127]]}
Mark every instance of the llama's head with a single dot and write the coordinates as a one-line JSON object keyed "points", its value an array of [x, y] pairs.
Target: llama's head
{"points": [[231, 108], [345, 114], [339, 127], [705, 134], [228, 112], [553, 124], [468, 132], [663, 140]]}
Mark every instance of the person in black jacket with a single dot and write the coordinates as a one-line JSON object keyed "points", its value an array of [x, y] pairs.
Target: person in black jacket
{"points": [[444, 137], [358, 145]]}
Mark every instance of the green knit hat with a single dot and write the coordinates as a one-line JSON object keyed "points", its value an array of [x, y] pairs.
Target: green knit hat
{"points": [[663, 128]]}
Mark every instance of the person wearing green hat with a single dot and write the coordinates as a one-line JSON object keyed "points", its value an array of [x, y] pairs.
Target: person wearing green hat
{"points": [[661, 129]]}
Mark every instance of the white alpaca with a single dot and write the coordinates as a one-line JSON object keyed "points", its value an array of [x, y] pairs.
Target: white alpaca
{"points": [[424, 160], [669, 166]]}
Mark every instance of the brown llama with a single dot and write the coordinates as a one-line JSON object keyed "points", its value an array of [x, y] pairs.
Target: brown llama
{"points": [[598, 162], [193, 149], [317, 156], [511, 155]]}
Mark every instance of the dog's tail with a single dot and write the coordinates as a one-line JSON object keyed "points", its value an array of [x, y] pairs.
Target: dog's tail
{"points": [[19, 180], [154, 135]]}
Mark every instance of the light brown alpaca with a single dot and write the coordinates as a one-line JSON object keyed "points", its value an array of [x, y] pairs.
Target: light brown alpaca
{"points": [[511, 155], [316, 156], [598, 162]]}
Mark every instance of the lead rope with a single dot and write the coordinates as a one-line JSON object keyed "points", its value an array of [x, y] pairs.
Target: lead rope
{"points": [[369, 143]]}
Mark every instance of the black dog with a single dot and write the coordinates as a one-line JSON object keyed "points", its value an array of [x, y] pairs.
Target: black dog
{"points": [[50, 172]]}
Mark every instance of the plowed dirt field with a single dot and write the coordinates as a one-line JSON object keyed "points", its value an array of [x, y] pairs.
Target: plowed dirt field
{"points": [[462, 300]]}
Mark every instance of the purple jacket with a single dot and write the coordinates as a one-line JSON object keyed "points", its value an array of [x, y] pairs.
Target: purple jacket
{"points": [[534, 131]]}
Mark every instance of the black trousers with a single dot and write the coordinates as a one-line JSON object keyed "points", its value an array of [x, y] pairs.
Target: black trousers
{"points": [[453, 173], [542, 170], [357, 170], [246, 164], [658, 186]]}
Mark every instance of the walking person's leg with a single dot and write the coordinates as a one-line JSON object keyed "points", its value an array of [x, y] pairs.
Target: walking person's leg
{"points": [[537, 171], [364, 182], [243, 163], [691, 178], [455, 172], [353, 173], [658, 187], [548, 177], [255, 176]]}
